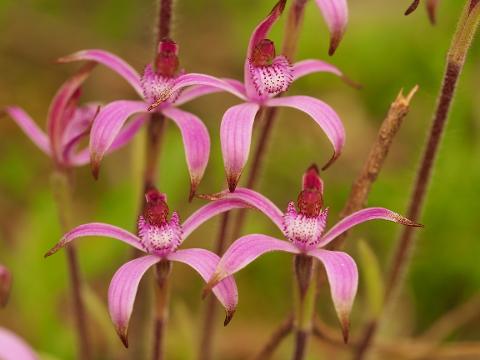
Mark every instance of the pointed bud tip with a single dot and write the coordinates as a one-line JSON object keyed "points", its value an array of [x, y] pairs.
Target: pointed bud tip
{"points": [[123, 334], [413, 6], [95, 165], [330, 162], [335, 40], [228, 316], [232, 182]]}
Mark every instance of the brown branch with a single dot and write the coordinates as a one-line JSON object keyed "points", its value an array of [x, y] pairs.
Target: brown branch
{"points": [[275, 339]]}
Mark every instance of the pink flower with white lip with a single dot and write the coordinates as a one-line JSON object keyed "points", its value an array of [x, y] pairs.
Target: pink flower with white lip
{"points": [[68, 123], [154, 87], [303, 226], [13, 347], [160, 238], [265, 76]]}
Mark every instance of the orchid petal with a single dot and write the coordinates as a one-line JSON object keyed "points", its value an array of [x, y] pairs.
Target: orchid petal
{"points": [[111, 61], [196, 91], [192, 79], [432, 6], [196, 142], [124, 136], [342, 276], [123, 290], [62, 109], [322, 114], [204, 262], [335, 13], [245, 250], [14, 348], [255, 200], [374, 213], [5, 285], [29, 127], [208, 211], [307, 67], [236, 137], [260, 33], [107, 126], [97, 229]]}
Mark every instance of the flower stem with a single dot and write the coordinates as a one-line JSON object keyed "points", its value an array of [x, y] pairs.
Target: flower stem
{"points": [[278, 335], [162, 273], [462, 39], [304, 303], [61, 186], [206, 342]]}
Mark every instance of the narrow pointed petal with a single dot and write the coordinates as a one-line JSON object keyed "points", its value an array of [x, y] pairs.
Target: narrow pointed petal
{"points": [[208, 211], [196, 142], [192, 79], [123, 290], [255, 200], [63, 102], [97, 229], [205, 262], [236, 137], [361, 216], [14, 348], [335, 13], [413, 6], [322, 114], [107, 126], [29, 127], [5, 285], [196, 91], [111, 61], [342, 276], [125, 135], [432, 6], [245, 250], [307, 67]]}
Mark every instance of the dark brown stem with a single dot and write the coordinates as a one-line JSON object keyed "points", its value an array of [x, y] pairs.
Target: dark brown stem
{"points": [[301, 338], [61, 184], [208, 333], [163, 270], [456, 56], [275, 339], [155, 132], [376, 158], [164, 22]]}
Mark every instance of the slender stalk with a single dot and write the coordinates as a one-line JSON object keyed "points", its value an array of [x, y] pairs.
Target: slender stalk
{"points": [[376, 158], [278, 335], [462, 40], [304, 303], [207, 334], [163, 270], [61, 186]]}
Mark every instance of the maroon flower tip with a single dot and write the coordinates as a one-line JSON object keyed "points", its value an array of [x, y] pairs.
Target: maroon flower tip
{"points": [[279, 7], [123, 334], [334, 42], [228, 316], [413, 6], [95, 167], [312, 180], [156, 209], [263, 53], [5, 285], [167, 63]]}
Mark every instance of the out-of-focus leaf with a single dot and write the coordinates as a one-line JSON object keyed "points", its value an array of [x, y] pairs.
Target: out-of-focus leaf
{"points": [[371, 278]]}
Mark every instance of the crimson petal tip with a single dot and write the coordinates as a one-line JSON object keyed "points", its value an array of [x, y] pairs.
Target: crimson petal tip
{"points": [[123, 334], [228, 316], [413, 6]]}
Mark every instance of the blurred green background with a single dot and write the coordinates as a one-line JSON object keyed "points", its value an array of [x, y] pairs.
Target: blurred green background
{"points": [[382, 49]]}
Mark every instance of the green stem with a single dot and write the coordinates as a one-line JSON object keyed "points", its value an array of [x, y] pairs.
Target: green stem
{"points": [[61, 186]]}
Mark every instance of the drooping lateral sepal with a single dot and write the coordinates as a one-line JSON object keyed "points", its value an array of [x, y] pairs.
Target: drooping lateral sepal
{"points": [[335, 13], [12, 347]]}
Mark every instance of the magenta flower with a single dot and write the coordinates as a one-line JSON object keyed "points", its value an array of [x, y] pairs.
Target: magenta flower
{"points": [[14, 348], [159, 237], [303, 226], [5, 285], [67, 123], [265, 76], [335, 13], [154, 87]]}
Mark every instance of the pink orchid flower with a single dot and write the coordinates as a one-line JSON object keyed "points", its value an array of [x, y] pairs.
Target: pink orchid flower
{"points": [[14, 348], [67, 124], [5, 285], [159, 237], [265, 76], [303, 226], [153, 87], [335, 13]]}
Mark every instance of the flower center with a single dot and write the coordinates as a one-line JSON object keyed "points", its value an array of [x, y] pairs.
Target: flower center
{"points": [[159, 235], [302, 230], [157, 83], [270, 74]]}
